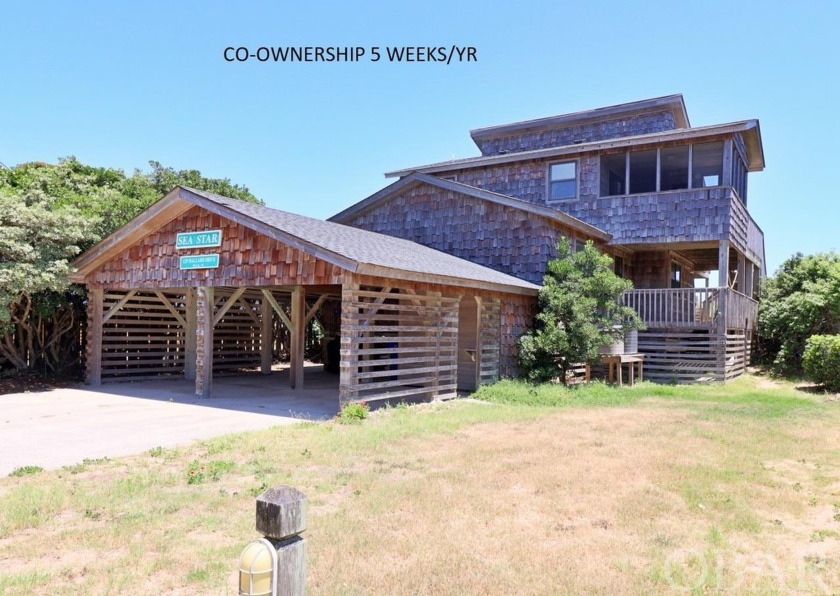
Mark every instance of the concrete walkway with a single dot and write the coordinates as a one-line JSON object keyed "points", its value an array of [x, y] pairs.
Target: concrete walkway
{"points": [[64, 426]]}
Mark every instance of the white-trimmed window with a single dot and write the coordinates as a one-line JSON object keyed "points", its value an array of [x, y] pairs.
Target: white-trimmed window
{"points": [[562, 181]]}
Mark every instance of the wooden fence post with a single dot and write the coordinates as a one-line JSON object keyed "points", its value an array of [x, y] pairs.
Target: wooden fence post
{"points": [[281, 518]]}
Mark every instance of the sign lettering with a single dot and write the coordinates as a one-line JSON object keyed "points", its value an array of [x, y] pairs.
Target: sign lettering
{"points": [[198, 239], [199, 261]]}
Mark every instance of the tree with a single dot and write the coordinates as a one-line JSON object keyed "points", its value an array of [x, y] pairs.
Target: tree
{"points": [[802, 300], [48, 214], [36, 245], [579, 311], [162, 179]]}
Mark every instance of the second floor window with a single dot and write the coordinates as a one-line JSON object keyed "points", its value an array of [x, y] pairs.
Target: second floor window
{"points": [[562, 181], [670, 168]]}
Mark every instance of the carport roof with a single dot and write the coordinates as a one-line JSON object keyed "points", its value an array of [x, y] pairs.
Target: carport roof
{"points": [[355, 250]]}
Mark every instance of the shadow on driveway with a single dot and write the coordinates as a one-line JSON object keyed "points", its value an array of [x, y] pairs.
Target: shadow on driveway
{"points": [[66, 425]]}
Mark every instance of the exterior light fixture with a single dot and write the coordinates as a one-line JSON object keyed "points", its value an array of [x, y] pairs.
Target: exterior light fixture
{"points": [[258, 569]]}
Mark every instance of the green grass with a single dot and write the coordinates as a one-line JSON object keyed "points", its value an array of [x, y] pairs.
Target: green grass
{"points": [[22, 583], [738, 397], [446, 492]]}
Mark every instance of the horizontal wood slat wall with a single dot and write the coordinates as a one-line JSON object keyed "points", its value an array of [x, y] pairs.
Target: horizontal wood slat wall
{"points": [[236, 337], [681, 356], [397, 342], [142, 338]]}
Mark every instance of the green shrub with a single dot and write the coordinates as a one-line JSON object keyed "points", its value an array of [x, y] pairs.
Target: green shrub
{"points": [[353, 412], [802, 300], [26, 470], [580, 310], [821, 360]]}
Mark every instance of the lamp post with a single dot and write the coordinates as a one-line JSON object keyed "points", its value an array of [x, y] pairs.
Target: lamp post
{"points": [[276, 564]]}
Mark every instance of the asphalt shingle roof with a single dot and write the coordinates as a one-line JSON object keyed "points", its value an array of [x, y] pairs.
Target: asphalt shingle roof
{"points": [[366, 247]]}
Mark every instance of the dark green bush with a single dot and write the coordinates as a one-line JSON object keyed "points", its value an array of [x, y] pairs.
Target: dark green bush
{"points": [[821, 360], [802, 300], [580, 310]]}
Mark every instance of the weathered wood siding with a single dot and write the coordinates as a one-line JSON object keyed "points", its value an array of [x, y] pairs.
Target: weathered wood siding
{"points": [[156, 341], [579, 133], [517, 316], [652, 269], [704, 214], [502, 238], [246, 258]]}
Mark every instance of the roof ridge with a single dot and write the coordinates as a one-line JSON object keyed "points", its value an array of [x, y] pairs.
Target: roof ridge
{"points": [[675, 102]]}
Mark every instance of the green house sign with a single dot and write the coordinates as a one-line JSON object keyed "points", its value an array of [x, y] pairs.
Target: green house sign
{"points": [[199, 261], [198, 239]]}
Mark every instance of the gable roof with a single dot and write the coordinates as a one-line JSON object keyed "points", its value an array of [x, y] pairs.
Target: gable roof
{"points": [[673, 103], [748, 128], [355, 250], [416, 179]]}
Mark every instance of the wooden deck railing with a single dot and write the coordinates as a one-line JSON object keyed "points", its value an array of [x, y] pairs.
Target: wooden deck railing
{"points": [[741, 311], [691, 307]]}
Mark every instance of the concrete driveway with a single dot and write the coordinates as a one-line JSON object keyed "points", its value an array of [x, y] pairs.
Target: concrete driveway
{"points": [[64, 426]]}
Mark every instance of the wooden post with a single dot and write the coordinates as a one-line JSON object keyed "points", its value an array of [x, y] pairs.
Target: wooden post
{"points": [[206, 305], [190, 335], [282, 518], [349, 358], [266, 336], [748, 279], [93, 361], [742, 272], [297, 339], [726, 178], [723, 299]]}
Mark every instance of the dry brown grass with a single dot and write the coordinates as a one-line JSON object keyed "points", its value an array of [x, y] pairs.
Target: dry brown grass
{"points": [[463, 498]]}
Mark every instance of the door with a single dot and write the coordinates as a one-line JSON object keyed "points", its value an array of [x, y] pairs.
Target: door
{"points": [[467, 343]]}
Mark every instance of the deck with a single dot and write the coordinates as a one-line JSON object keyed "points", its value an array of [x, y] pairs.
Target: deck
{"points": [[693, 308], [686, 339]]}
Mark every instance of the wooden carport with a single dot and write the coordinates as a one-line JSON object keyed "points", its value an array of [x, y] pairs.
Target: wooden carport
{"points": [[393, 303]]}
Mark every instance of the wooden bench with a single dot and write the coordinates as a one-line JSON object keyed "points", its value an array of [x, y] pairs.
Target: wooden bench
{"points": [[616, 363]]}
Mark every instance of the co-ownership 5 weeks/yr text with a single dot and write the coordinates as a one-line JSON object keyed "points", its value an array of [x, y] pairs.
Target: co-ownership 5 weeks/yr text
{"points": [[437, 54]]}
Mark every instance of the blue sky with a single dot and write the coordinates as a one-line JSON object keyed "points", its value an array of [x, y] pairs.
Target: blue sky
{"points": [[118, 84]]}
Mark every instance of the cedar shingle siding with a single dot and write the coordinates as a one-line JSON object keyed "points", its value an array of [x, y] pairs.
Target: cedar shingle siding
{"points": [[595, 131], [502, 238]]}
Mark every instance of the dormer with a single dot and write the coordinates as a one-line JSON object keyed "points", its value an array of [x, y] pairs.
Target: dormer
{"points": [[636, 118]]}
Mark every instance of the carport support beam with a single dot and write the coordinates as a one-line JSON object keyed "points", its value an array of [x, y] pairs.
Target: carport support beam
{"points": [[190, 335], [266, 337], [96, 297], [297, 337], [206, 306]]}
